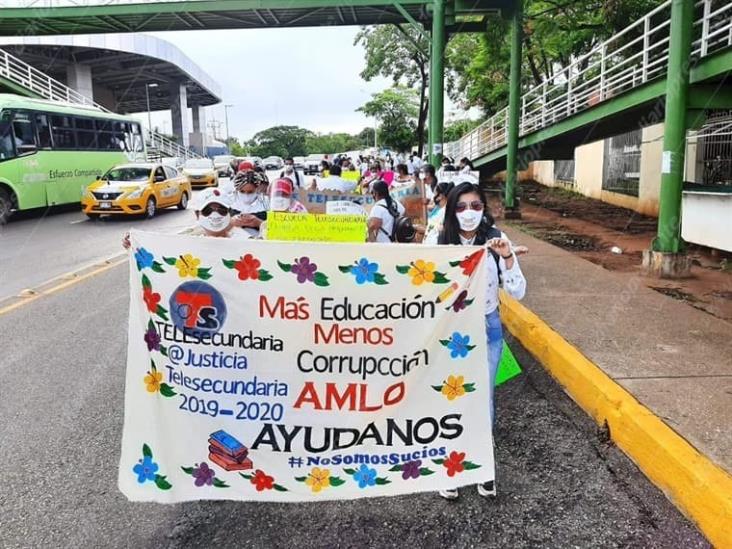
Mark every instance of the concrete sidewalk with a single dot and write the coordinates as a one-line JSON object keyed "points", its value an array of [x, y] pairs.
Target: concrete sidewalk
{"points": [[655, 371], [674, 359]]}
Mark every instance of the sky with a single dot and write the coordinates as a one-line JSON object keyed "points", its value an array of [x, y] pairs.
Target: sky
{"points": [[308, 77]]}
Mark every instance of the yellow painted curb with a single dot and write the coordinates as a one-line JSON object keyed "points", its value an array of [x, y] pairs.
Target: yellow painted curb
{"points": [[698, 487]]}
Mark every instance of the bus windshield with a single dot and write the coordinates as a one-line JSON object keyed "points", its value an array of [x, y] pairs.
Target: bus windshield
{"points": [[133, 174]]}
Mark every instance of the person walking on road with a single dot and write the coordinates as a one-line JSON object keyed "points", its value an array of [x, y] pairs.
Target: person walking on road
{"points": [[248, 206], [384, 214], [437, 214], [334, 182], [291, 172], [468, 222]]}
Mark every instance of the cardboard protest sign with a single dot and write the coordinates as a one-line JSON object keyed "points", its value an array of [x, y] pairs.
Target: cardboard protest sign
{"points": [[316, 227], [410, 196], [333, 207], [269, 371]]}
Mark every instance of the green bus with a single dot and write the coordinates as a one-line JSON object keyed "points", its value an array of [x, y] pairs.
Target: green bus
{"points": [[50, 151]]}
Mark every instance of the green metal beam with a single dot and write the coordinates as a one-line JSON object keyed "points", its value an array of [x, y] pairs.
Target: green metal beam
{"points": [[411, 20], [437, 82], [710, 97], [668, 238], [710, 67], [514, 111]]}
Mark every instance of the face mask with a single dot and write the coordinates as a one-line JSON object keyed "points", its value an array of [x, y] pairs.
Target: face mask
{"points": [[280, 203], [248, 198], [469, 220], [289, 169], [214, 222]]}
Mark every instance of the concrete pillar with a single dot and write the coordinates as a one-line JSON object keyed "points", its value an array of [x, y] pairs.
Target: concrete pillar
{"points": [[179, 112], [79, 78], [198, 135]]}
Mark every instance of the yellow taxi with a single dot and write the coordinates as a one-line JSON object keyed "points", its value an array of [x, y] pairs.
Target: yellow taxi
{"points": [[201, 172], [136, 189]]}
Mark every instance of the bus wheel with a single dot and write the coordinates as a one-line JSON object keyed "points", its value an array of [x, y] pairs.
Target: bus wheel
{"points": [[183, 204], [150, 208], [6, 206], [93, 217]]}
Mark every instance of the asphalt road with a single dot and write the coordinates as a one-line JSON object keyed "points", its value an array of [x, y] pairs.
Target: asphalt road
{"points": [[61, 409]]}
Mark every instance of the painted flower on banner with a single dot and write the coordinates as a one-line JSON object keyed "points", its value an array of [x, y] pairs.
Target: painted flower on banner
{"points": [[319, 479], [152, 339], [458, 344], [262, 481], [422, 272], [365, 272], [364, 475], [412, 469], [189, 266], [152, 299], [146, 260], [455, 463], [147, 470], [153, 381], [248, 268], [203, 475], [454, 387], [470, 262], [305, 271], [461, 302]]}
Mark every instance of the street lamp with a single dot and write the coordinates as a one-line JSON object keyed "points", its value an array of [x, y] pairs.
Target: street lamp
{"points": [[226, 118], [147, 96]]}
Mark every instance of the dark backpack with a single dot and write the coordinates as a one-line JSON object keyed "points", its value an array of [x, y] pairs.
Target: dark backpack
{"points": [[402, 230]]}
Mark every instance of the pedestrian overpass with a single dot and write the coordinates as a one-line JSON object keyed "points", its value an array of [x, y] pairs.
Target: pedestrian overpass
{"points": [[618, 86]]}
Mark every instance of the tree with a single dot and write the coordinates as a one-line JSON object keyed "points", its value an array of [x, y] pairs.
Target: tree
{"points": [[396, 110], [455, 130], [556, 33], [284, 141], [235, 148], [399, 52], [332, 143]]}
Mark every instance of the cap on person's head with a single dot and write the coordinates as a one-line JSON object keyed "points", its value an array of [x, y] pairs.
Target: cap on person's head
{"points": [[283, 186], [211, 196], [245, 165]]}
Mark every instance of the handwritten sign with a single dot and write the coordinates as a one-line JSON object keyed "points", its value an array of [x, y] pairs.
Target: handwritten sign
{"points": [[316, 227], [277, 371]]}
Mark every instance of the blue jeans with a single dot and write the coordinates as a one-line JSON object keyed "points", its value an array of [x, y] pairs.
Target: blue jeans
{"points": [[494, 334]]}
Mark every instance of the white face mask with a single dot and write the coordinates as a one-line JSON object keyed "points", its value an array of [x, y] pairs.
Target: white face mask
{"points": [[280, 203], [469, 220], [289, 169], [215, 222], [248, 198]]}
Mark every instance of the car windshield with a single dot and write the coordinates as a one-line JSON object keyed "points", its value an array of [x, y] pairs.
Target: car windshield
{"points": [[197, 164], [223, 159], [127, 174]]}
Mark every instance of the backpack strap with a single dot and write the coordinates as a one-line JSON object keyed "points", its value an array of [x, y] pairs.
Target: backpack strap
{"points": [[493, 232]]}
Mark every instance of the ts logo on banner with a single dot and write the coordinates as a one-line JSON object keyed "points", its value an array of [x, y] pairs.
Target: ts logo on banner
{"points": [[197, 307]]}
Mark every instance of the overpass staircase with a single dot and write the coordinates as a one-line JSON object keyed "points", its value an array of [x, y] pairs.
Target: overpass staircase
{"points": [[618, 86], [19, 77]]}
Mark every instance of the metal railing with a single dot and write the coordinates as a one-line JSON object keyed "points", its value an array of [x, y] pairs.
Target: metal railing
{"points": [[631, 58], [28, 77]]}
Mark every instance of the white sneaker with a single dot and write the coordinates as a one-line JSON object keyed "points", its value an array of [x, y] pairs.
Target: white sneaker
{"points": [[449, 494], [487, 489]]}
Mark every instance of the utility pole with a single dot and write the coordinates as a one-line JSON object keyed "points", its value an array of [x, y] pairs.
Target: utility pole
{"points": [[147, 97], [226, 117]]}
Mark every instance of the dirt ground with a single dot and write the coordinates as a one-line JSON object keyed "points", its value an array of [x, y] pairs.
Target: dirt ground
{"points": [[592, 229]]}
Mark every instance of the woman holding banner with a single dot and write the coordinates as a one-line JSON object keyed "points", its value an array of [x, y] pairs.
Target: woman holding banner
{"points": [[468, 222], [248, 207]]}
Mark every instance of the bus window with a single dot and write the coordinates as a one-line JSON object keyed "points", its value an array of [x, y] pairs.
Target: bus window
{"points": [[105, 141], [25, 135], [119, 135], [138, 142], [85, 133], [63, 132], [43, 130], [6, 141]]}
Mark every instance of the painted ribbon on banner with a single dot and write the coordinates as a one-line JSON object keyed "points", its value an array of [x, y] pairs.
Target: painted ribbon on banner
{"points": [[288, 372]]}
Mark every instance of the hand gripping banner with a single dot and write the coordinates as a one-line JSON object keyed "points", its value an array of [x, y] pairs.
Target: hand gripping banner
{"points": [[281, 371]]}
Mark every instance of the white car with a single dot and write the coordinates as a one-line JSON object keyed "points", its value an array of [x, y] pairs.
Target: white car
{"points": [[273, 163], [311, 166], [222, 163], [299, 162]]}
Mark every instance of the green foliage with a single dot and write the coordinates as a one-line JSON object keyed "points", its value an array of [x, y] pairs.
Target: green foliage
{"points": [[396, 110], [330, 143], [399, 52], [281, 141], [556, 32], [457, 129]]}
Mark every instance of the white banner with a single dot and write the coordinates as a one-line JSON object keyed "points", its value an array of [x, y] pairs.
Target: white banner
{"points": [[281, 371]]}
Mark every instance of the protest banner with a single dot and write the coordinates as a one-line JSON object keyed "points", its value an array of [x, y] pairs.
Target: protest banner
{"points": [[333, 207], [316, 227], [351, 175], [276, 372], [409, 195]]}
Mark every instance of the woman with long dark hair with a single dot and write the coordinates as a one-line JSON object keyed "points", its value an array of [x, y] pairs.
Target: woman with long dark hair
{"points": [[468, 222], [384, 214]]}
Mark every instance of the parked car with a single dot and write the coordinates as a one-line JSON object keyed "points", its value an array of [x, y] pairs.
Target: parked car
{"points": [[299, 162], [222, 163], [201, 172], [136, 189], [273, 163], [312, 162]]}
